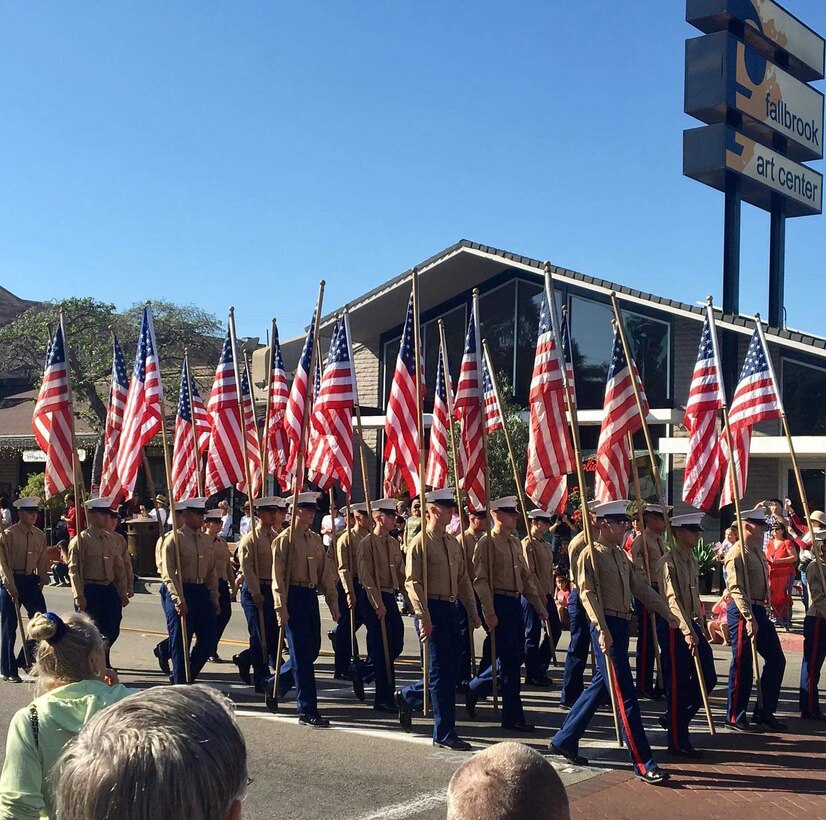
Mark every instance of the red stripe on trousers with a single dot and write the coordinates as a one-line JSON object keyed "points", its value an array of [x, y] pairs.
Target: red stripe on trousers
{"points": [[740, 630], [624, 717]]}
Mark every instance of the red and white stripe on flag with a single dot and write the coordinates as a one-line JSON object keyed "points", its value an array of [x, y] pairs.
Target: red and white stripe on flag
{"points": [[110, 486], [142, 415], [277, 442], [436, 471], [297, 403], [253, 442], [493, 412], [469, 412], [51, 420], [186, 457]]}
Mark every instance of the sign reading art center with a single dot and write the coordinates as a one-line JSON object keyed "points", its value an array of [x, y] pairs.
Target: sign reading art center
{"points": [[723, 73], [711, 151]]}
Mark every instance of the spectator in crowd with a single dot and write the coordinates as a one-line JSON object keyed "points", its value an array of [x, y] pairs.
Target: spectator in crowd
{"points": [[781, 555], [562, 593], [722, 548], [562, 561], [159, 511], [6, 519], [226, 520], [165, 753], [75, 518], [327, 527], [507, 781], [246, 522], [718, 625], [631, 535], [413, 524], [72, 684], [774, 515]]}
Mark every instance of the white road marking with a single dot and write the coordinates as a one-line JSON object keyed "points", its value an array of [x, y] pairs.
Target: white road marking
{"points": [[399, 811]]}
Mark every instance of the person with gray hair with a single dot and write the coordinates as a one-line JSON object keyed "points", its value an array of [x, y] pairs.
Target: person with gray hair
{"points": [[507, 781], [165, 753]]}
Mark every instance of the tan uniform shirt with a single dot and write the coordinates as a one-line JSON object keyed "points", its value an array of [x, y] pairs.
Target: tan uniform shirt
{"points": [[469, 541], [347, 557], [197, 563], [540, 560], [647, 545], [126, 558], [95, 555], [380, 565], [578, 543], [502, 554], [255, 557], [23, 551], [817, 595], [304, 562], [679, 577], [224, 569], [447, 576], [755, 588], [608, 590]]}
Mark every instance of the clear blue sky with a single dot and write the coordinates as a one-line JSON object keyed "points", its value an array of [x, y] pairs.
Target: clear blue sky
{"points": [[236, 152]]}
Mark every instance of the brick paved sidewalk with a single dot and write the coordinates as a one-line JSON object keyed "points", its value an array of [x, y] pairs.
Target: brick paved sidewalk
{"points": [[741, 776]]}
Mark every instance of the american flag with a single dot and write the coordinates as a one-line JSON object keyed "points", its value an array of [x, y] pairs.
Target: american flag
{"points": [[110, 486], [550, 453], [277, 443], [569, 356], [253, 442], [621, 418], [186, 458], [297, 400], [755, 400], [703, 470], [225, 456], [436, 471], [493, 412], [51, 421], [401, 432], [142, 417], [469, 412], [331, 458]]}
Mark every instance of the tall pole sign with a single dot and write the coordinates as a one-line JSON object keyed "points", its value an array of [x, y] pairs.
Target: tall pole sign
{"points": [[748, 80]]}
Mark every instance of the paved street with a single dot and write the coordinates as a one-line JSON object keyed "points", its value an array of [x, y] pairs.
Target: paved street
{"points": [[366, 767]]}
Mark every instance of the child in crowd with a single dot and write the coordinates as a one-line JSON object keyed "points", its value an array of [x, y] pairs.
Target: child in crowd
{"points": [[561, 595], [718, 625]]}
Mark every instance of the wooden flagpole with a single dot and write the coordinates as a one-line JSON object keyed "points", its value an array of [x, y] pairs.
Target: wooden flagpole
{"points": [[657, 483], [297, 483], [456, 469], [580, 472], [199, 476], [417, 353], [172, 515], [262, 625]]}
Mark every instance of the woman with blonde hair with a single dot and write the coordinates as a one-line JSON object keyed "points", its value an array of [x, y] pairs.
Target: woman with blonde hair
{"points": [[72, 684]]}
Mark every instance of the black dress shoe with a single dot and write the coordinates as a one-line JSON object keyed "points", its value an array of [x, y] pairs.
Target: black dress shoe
{"points": [[688, 751], [13, 678], [571, 757], [543, 682], [331, 634], [259, 688], [518, 726], [652, 694], [653, 776], [454, 743], [565, 706], [772, 723], [270, 700], [405, 712], [471, 699], [816, 716], [315, 721], [387, 708], [358, 685], [742, 726], [215, 658], [663, 721], [163, 662], [243, 671]]}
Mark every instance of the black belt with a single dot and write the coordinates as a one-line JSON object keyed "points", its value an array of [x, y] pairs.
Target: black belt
{"points": [[302, 584], [96, 583], [616, 614], [450, 598], [511, 593]]}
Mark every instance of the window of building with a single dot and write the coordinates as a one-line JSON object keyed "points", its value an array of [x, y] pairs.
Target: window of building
{"points": [[804, 398], [455, 323], [814, 483], [497, 325], [650, 342]]}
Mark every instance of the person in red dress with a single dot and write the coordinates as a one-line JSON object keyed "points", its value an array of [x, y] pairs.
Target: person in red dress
{"points": [[781, 555]]}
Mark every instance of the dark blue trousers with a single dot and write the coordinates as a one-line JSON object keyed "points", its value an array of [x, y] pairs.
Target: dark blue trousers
{"points": [[201, 622], [577, 656], [342, 635], [375, 643], [597, 695], [740, 677], [31, 597], [814, 651], [646, 676], [103, 606], [684, 698], [260, 664], [510, 652], [465, 637], [303, 635], [443, 670], [538, 649], [225, 601]]}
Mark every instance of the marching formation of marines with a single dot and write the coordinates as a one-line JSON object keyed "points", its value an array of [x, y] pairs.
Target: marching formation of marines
{"points": [[485, 578]]}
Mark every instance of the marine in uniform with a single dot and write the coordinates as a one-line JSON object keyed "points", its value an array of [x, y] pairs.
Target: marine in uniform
{"points": [[191, 589], [111, 523], [539, 648], [24, 567], [748, 582], [301, 569], [477, 527], [254, 552], [224, 570], [96, 572], [607, 580], [445, 577], [382, 572], [646, 551], [501, 578], [348, 587], [814, 631], [679, 577]]}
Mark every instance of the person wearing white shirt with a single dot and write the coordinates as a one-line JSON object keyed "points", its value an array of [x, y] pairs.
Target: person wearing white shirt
{"points": [[327, 528]]}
